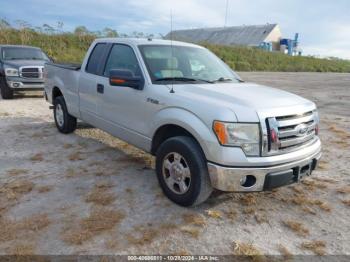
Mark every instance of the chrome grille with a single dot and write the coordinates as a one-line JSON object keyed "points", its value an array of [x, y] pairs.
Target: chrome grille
{"points": [[31, 72], [290, 132]]}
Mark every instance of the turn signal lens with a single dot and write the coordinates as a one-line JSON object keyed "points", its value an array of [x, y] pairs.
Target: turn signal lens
{"points": [[117, 81], [220, 131]]}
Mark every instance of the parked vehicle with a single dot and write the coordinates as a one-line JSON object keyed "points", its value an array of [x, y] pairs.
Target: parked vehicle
{"points": [[21, 68], [207, 128]]}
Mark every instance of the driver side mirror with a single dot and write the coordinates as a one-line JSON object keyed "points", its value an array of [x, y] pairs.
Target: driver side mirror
{"points": [[118, 77]]}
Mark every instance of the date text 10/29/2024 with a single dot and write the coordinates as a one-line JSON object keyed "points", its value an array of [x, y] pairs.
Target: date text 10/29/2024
{"points": [[173, 258]]}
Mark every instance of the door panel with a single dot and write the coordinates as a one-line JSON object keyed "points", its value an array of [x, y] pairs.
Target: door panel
{"points": [[121, 106]]}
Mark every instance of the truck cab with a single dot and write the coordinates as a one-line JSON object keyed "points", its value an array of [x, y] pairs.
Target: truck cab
{"points": [[178, 101], [21, 69]]}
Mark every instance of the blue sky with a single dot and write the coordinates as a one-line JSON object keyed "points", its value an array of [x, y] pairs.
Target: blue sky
{"points": [[324, 25]]}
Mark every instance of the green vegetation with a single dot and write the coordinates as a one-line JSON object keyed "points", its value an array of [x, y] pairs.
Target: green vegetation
{"points": [[253, 59], [72, 46]]}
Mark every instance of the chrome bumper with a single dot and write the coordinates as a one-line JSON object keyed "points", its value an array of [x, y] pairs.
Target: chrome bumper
{"points": [[231, 178], [20, 85]]}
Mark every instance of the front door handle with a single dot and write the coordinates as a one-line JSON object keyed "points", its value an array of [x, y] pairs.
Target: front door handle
{"points": [[100, 88]]}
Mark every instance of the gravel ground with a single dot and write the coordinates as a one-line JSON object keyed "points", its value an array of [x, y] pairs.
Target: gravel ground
{"points": [[90, 193]]}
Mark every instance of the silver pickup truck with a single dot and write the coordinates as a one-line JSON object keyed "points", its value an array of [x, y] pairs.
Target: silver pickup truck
{"points": [[207, 128], [21, 69]]}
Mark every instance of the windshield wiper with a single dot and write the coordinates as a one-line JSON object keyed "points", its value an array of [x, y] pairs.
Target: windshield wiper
{"points": [[223, 79], [183, 79]]}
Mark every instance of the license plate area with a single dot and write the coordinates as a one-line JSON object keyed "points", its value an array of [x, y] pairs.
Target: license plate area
{"points": [[303, 171]]}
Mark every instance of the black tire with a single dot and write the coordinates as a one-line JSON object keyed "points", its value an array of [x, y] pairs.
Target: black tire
{"points": [[67, 124], [199, 188], [5, 90]]}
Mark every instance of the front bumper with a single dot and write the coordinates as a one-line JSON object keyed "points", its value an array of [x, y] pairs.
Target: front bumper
{"points": [[261, 178], [18, 85]]}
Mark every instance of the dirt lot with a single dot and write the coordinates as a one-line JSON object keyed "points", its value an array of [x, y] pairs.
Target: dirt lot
{"points": [[89, 193]]}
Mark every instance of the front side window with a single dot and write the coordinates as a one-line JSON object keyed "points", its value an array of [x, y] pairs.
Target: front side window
{"points": [[122, 57], [20, 53], [168, 63]]}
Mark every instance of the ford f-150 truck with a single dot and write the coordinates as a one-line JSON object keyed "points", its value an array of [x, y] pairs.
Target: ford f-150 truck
{"points": [[207, 128], [21, 69]]}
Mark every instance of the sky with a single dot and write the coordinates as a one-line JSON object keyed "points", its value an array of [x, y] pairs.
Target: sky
{"points": [[323, 25]]}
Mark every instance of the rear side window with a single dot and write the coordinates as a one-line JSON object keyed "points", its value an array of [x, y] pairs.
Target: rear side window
{"points": [[122, 57], [95, 59]]}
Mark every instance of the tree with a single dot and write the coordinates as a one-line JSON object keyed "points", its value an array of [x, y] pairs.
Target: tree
{"points": [[81, 31], [108, 32]]}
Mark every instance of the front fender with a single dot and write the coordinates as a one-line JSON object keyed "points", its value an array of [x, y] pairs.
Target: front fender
{"points": [[189, 121]]}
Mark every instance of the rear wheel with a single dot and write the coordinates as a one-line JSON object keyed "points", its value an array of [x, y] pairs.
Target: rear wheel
{"points": [[5, 90], [182, 171], [65, 122]]}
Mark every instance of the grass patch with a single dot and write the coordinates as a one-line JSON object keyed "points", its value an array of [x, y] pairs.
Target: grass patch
{"points": [[76, 156], [285, 252], [67, 146], [344, 190], [192, 231], [99, 221], [311, 185], [13, 229], [21, 249], [297, 227], [231, 214], [194, 219], [15, 189], [303, 200], [316, 246], [322, 165], [248, 250], [261, 218], [144, 236], [346, 202], [308, 210], [17, 171], [100, 196], [214, 214], [248, 199], [249, 210], [44, 189], [37, 157]]}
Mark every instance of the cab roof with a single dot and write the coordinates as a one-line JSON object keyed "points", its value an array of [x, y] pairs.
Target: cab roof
{"points": [[144, 41], [19, 46]]}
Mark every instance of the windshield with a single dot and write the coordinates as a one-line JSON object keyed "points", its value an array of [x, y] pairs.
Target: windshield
{"points": [[17, 53], [185, 64]]}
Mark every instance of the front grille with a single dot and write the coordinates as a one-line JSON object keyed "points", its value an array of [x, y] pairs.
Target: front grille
{"points": [[293, 131], [31, 72]]}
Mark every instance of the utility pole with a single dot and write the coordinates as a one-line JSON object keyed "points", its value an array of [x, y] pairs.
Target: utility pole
{"points": [[226, 12]]}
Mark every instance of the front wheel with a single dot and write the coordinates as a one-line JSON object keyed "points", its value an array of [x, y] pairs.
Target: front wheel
{"points": [[65, 123], [5, 90], [182, 171]]}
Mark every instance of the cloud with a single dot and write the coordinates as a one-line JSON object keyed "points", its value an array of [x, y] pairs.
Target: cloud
{"points": [[323, 25]]}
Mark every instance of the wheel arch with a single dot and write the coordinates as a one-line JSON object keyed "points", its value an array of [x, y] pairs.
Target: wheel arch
{"points": [[176, 121]]}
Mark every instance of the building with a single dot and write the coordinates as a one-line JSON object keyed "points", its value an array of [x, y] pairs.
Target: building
{"points": [[266, 36]]}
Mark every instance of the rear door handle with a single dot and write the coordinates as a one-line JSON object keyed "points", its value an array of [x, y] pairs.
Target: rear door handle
{"points": [[100, 88]]}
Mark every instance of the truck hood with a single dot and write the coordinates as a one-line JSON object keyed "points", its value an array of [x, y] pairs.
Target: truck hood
{"points": [[246, 100], [19, 63]]}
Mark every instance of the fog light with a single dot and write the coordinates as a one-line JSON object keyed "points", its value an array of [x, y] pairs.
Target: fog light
{"points": [[15, 85], [248, 181]]}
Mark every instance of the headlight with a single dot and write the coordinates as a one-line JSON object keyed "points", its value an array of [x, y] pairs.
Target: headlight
{"points": [[11, 72], [244, 135]]}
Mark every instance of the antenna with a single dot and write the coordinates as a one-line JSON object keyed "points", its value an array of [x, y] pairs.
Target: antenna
{"points": [[172, 53], [226, 13]]}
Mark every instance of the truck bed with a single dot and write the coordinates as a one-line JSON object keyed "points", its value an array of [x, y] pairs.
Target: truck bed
{"points": [[69, 66]]}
